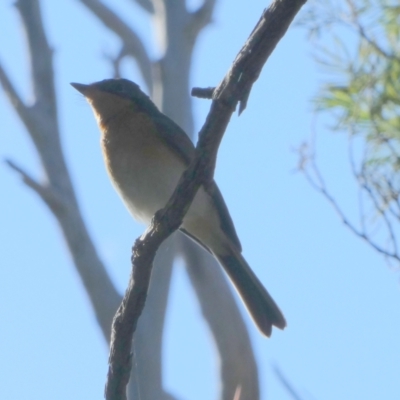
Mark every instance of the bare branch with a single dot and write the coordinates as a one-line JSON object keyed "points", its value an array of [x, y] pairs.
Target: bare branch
{"points": [[355, 16], [145, 4], [273, 23], [286, 384], [231, 336], [132, 44], [41, 56], [46, 193], [362, 179], [308, 158], [171, 23], [22, 110], [203, 93], [200, 18], [116, 60], [261, 43], [380, 210], [42, 125]]}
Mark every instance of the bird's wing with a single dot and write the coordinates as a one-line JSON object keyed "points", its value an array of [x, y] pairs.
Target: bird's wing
{"points": [[176, 138], [223, 212]]}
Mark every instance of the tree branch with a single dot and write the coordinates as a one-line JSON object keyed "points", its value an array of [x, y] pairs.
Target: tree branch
{"points": [[203, 93], [41, 56], [237, 360], [200, 18], [146, 5], [41, 122], [286, 384], [355, 16], [248, 64], [243, 73], [172, 24], [53, 201], [22, 110], [132, 44], [319, 185]]}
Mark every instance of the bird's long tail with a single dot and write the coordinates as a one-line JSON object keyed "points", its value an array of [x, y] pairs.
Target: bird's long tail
{"points": [[257, 300]]}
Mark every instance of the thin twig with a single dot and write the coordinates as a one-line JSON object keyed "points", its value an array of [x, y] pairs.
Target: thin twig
{"points": [[286, 384], [46, 193], [355, 15], [203, 93], [320, 186]]}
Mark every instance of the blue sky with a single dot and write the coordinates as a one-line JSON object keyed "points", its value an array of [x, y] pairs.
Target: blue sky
{"points": [[340, 298]]}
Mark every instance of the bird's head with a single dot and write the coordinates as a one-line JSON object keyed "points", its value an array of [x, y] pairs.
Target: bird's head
{"points": [[110, 97]]}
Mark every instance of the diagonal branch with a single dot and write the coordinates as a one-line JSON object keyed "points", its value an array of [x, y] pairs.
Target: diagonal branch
{"points": [[132, 44], [200, 18], [254, 54], [355, 16], [147, 5], [42, 124], [319, 185], [287, 384], [250, 61], [171, 22], [22, 110], [362, 178], [49, 196]]}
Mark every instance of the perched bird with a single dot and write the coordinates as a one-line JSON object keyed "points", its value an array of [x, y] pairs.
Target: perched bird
{"points": [[145, 153]]}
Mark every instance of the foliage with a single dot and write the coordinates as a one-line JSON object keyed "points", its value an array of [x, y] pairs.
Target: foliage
{"points": [[358, 43]]}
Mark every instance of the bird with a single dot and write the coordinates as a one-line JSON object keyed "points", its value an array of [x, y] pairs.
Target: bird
{"points": [[145, 153]]}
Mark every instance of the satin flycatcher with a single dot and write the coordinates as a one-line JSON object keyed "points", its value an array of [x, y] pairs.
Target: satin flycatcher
{"points": [[145, 154]]}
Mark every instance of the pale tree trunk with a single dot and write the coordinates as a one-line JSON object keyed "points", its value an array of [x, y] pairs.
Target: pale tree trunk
{"points": [[168, 81]]}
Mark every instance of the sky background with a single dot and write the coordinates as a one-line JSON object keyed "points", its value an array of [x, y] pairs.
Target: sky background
{"points": [[340, 298]]}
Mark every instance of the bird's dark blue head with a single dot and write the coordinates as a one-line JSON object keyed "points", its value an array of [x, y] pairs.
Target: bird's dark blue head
{"points": [[123, 88]]}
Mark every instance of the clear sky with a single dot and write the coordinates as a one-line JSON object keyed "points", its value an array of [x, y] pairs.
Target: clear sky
{"points": [[340, 298]]}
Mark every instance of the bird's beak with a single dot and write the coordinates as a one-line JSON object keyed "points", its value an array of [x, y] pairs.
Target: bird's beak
{"points": [[80, 87]]}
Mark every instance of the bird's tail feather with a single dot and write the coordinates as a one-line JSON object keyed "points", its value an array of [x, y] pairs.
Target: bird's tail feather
{"points": [[257, 300]]}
